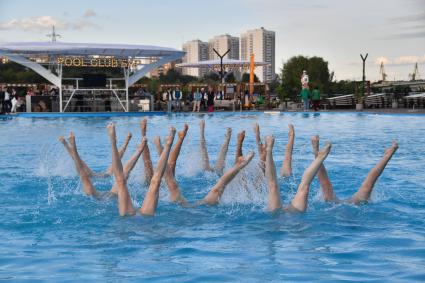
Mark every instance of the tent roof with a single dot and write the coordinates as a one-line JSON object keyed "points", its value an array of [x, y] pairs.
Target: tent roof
{"points": [[415, 95], [85, 49], [216, 63]]}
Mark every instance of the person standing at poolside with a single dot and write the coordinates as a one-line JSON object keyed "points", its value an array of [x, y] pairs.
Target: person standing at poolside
{"points": [[177, 96], [315, 96], [197, 97], [210, 100], [304, 80], [305, 91], [203, 99], [14, 102], [169, 100], [7, 104], [305, 96]]}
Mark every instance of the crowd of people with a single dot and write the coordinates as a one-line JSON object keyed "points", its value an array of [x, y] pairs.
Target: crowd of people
{"points": [[166, 170], [10, 101], [205, 99], [309, 98], [199, 100], [13, 100], [172, 99]]}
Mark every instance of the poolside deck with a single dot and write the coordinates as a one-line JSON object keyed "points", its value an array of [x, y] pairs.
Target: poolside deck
{"points": [[141, 114]]}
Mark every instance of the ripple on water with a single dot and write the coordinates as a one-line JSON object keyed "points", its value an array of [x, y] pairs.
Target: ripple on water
{"points": [[51, 232]]}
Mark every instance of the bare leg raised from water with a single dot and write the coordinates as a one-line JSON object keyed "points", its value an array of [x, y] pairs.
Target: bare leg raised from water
{"points": [[151, 199], [299, 202], [128, 167], [125, 206], [121, 152], [146, 155], [363, 194], [80, 166], [261, 147], [221, 160], [169, 175], [215, 193], [325, 183], [87, 169], [286, 170], [174, 154], [274, 202], [203, 148], [239, 143]]}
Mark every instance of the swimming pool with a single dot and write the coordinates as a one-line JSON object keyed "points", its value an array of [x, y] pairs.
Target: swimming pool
{"points": [[50, 231]]}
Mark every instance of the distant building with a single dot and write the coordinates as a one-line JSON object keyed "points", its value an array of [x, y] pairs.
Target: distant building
{"points": [[261, 43], [196, 50], [222, 43], [163, 70]]}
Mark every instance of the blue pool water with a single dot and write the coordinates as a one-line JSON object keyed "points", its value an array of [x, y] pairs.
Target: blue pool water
{"points": [[50, 231]]}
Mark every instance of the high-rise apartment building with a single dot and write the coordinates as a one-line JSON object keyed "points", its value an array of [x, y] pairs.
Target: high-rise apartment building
{"points": [[163, 70], [222, 43], [196, 51], [261, 43]]}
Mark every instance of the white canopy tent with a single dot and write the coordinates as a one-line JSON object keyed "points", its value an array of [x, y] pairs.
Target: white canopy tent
{"points": [[415, 96], [227, 63], [34, 55]]}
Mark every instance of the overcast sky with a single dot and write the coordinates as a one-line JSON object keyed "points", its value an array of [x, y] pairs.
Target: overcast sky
{"points": [[392, 31]]}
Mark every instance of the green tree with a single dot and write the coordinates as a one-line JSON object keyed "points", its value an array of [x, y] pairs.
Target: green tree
{"points": [[342, 87], [211, 77], [245, 78], [281, 92], [153, 85], [11, 72], [317, 69]]}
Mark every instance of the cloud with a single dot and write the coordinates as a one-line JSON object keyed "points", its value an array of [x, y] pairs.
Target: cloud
{"points": [[414, 18], [409, 26], [407, 35], [402, 60], [43, 23], [407, 60], [90, 13], [380, 60]]}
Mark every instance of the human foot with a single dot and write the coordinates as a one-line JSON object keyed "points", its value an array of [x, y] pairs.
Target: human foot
{"points": [[315, 144], [269, 142], [323, 153], [183, 132], [243, 161]]}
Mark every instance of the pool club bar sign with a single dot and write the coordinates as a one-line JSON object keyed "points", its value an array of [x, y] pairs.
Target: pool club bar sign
{"points": [[100, 62]]}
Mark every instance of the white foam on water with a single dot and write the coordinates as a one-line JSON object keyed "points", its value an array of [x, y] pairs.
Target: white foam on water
{"points": [[54, 161], [248, 187], [189, 163], [50, 192]]}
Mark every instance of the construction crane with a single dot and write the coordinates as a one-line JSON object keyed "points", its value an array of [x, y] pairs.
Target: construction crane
{"points": [[53, 35], [382, 73], [415, 75]]}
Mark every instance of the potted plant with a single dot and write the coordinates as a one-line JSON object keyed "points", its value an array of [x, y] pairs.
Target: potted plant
{"points": [[394, 101], [359, 100], [359, 104]]}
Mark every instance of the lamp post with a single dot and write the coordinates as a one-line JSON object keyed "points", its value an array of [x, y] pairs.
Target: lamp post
{"points": [[364, 75], [221, 63], [360, 98]]}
